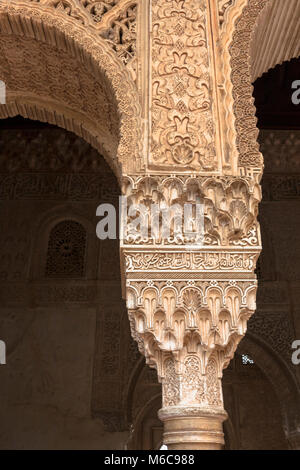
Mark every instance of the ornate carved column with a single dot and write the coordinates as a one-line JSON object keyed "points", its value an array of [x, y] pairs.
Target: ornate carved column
{"points": [[189, 303], [189, 306]]}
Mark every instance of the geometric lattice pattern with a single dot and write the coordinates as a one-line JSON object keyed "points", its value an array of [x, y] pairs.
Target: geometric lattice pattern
{"points": [[66, 250]]}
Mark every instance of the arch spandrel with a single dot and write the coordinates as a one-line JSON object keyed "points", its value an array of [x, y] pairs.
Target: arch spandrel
{"points": [[107, 109]]}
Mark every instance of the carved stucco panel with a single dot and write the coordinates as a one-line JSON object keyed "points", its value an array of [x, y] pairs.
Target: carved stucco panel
{"points": [[183, 124]]}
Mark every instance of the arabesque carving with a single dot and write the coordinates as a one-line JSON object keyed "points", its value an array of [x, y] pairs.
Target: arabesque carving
{"points": [[121, 35], [93, 104], [189, 305], [224, 5], [177, 122], [240, 132], [183, 130], [243, 107], [230, 207], [113, 20]]}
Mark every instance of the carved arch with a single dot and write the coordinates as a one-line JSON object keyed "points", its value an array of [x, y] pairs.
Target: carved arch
{"points": [[144, 425], [279, 376], [69, 45], [245, 24], [274, 36]]}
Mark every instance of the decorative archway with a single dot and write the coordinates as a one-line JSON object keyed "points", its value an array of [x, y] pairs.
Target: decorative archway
{"points": [[246, 24], [284, 383], [58, 68], [197, 142]]}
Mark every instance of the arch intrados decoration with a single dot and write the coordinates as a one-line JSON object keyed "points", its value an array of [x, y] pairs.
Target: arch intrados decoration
{"points": [[271, 43], [247, 16], [59, 115], [242, 90], [65, 34], [242, 25]]}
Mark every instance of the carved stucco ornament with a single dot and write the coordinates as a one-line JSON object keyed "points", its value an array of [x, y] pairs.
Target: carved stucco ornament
{"points": [[196, 141], [62, 67], [188, 307]]}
